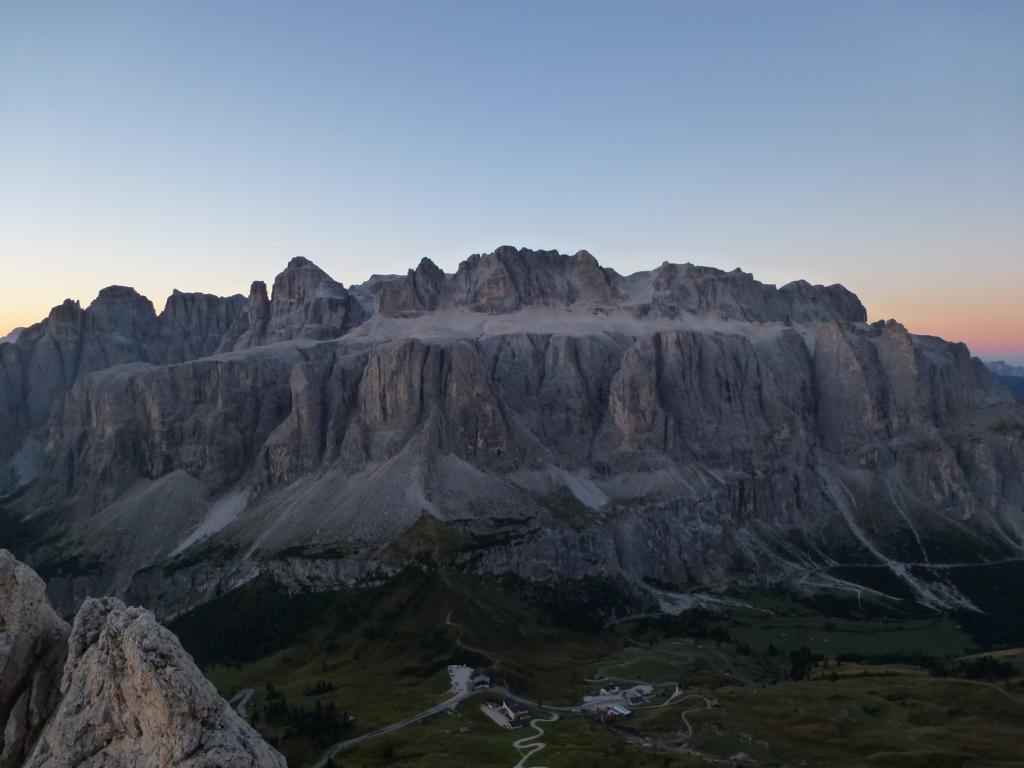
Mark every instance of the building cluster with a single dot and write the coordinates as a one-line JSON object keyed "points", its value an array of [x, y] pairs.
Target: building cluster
{"points": [[516, 713], [509, 714], [609, 712], [613, 703], [638, 694], [480, 682]]}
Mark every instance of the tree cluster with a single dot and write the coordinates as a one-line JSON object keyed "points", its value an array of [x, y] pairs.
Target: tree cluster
{"points": [[323, 724], [319, 688], [801, 661]]}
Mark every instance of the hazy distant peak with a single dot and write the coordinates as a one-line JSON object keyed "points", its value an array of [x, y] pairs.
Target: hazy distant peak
{"points": [[12, 337], [1003, 368]]}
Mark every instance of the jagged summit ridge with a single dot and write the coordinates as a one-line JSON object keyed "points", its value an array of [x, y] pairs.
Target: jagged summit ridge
{"points": [[120, 325], [306, 303], [510, 279], [503, 281]]}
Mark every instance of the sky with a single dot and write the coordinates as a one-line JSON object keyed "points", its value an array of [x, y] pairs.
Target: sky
{"points": [[200, 145]]}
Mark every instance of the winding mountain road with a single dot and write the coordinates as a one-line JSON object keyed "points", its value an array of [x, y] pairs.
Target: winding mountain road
{"points": [[434, 710], [686, 722], [528, 746], [241, 700]]}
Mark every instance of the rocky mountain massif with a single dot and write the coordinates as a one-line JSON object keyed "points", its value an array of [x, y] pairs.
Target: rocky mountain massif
{"points": [[114, 689], [683, 426]]}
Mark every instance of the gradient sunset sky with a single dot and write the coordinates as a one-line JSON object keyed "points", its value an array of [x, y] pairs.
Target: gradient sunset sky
{"points": [[200, 145]]}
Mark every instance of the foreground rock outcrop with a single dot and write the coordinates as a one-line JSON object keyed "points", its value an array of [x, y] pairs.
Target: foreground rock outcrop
{"points": [[33, 644], [126, 696]]}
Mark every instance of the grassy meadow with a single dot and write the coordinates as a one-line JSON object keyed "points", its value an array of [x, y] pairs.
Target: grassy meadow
{"points": [[793, 686]]}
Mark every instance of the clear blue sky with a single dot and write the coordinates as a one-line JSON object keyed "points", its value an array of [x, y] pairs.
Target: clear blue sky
{"points": [[199, 145]]}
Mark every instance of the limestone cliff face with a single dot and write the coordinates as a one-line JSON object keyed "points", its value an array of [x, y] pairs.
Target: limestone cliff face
{"points": [[119, 327], [686, 425], [193, 325], [684, 456], [118, 691], [208, 418]]}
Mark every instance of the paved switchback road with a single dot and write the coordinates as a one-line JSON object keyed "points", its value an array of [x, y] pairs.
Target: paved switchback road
{"points": [[241, 700]]}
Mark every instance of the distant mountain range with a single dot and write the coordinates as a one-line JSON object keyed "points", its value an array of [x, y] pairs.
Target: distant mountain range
{"points": [[679, 427], [1005, 369], [11, 337], [1011, 375]]}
